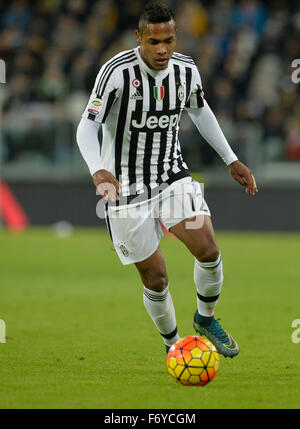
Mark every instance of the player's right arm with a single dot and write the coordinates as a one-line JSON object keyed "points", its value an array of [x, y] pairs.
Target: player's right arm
{"points": [[105, 92]]}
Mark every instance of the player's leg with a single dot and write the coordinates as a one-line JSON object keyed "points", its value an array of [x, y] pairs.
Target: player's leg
{"points": [[153, 272], [208, 269], [157, 298], [208, 277], [136, 235]]}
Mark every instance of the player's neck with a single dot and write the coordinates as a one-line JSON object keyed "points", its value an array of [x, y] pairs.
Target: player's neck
{"points": [[148, 67]]}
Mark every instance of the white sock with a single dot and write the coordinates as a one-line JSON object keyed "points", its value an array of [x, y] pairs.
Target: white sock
{"points": [[159, 306], [208, 277]]}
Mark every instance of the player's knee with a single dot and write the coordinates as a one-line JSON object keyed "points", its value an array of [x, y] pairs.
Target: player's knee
{"points": [[155, 280], [209, 254]]}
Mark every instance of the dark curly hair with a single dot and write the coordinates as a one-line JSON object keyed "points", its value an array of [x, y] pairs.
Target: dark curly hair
{"points": [[155, 12]]}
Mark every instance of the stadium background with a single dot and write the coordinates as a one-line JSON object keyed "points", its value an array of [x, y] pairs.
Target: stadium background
{"points": [[70, 308], [53, 50]]}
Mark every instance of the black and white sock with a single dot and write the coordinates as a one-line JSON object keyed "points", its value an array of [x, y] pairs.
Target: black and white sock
{"points": [[208, 277], [159, 306]]}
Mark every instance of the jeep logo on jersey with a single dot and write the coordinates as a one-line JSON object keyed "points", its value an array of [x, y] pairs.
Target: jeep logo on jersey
{"points": [[161, 121]]}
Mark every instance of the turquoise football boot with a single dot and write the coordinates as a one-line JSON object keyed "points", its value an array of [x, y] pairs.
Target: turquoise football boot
{"points": [[212, 329]]}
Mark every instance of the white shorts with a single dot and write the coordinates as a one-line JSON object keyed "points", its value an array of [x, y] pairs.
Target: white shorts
{"points": [[135, 229]]}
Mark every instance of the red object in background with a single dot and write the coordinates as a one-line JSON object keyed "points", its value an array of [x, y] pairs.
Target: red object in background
{"points": [[293, 151], [12, 213]]}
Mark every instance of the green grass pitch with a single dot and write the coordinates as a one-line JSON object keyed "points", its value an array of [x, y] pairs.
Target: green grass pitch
{"points": [[78, 335]]}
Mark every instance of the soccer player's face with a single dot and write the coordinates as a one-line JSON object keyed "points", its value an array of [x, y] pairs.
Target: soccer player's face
{"points": [[157, 43]]}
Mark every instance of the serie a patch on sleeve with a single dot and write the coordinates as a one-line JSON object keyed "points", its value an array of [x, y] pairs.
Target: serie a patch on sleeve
{"points": [[95, 106]]}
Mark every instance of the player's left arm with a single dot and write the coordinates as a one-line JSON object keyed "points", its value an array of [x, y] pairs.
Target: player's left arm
{"points": [[208, 126], [243, 175]]}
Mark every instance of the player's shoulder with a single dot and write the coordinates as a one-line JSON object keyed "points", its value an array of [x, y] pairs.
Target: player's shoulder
{"points": [[120, 60], [110, 74], [177, 57]]}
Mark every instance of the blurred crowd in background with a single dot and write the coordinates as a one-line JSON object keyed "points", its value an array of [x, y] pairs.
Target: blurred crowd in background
{"points": [[244, 49]]}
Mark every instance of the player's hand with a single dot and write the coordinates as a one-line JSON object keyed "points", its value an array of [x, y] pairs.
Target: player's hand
{"points": [[107, 185], [243, 176]]}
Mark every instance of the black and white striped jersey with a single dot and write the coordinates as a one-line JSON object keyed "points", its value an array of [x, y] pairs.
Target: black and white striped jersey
{"points": [[139, 109]]}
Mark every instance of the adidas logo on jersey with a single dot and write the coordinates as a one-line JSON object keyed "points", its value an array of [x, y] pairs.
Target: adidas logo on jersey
{"points": [[136, 96]]}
